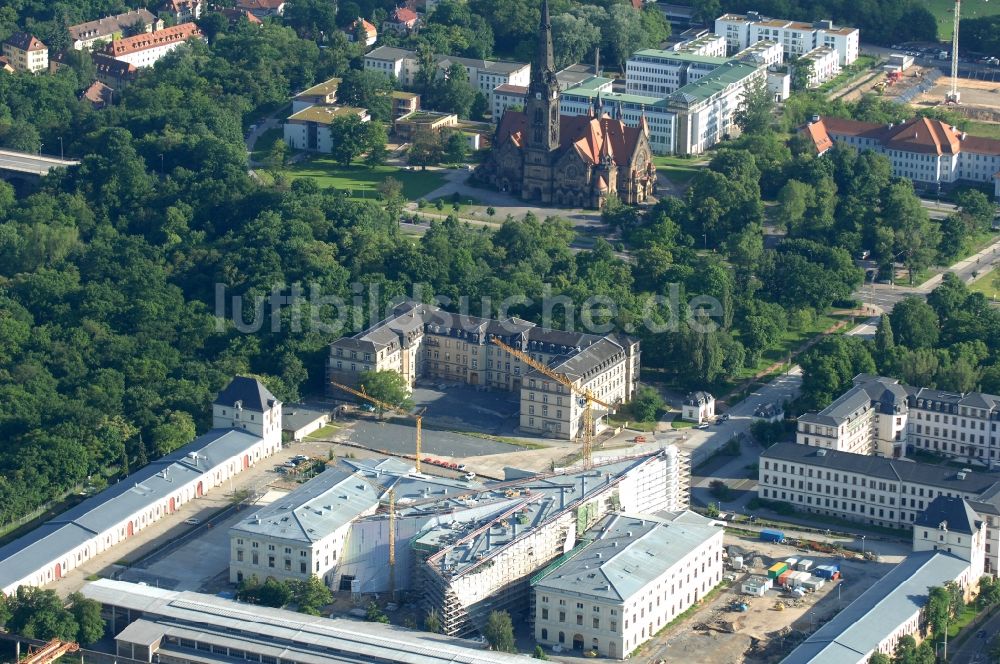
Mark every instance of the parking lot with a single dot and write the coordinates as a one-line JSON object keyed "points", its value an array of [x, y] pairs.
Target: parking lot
{"points": [[463, 407], [399, 437]]}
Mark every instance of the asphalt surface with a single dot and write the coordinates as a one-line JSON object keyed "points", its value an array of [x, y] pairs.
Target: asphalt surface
{"points": [[975, 649], [401, 439], [30, 163]]}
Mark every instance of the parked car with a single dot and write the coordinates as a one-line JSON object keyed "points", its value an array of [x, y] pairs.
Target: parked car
{"points": [[192, 522], [702, 426], [468, 477], [461, 466]]}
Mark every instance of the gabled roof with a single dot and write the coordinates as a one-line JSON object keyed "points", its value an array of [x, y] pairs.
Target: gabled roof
{"points": [[98, 94], [148, 40], [404, 15], [107, 65], [249, 392], [923, 135], [269, 5], [26, 42], [952, 514], [109, 25], [816, 132], [369, 29]]}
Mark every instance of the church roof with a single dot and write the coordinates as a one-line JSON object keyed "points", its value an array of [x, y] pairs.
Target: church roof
{"points": [[582, 132]]}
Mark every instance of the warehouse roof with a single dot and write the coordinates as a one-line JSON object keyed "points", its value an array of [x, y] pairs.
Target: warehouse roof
{"points": [[296, 637], [854, 633], [627, 553], [143, 489]]}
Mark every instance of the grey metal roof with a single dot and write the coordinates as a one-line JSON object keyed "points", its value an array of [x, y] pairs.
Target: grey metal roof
{"points": [[942, 477], [296, 416], [886, 394], [109, 25], [954, 513], [626, 553], [298, 637], [389, 53], [316, 509], [247, 391], [853, 634], [140, 490], [698, 398]]}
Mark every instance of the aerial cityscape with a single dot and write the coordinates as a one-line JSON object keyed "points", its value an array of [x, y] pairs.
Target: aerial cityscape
{"points": [[482, 331]]}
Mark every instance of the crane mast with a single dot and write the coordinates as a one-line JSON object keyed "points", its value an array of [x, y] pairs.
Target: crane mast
{"points": [[418, 417], [953, 96], [587, 433]]}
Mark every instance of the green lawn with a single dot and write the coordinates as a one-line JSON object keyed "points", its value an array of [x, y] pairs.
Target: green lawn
{"points": [[361, 180], [943, 12], [678, 169], [788, 342], [987, 286], [984, 129]]}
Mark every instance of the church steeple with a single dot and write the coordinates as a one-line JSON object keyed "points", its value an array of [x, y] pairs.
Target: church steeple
{"points": [[542, 104]]}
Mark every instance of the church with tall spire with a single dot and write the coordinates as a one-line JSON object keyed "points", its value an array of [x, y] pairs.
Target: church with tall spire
{"points": [[569, 161]]}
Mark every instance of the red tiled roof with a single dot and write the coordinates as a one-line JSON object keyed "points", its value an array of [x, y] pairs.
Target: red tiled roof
{"points": [[923, 135], [98, 93], [147, 40], [404, 15], [981, 144], [586, 134], [366, 26], [26, 42], [816, 132], [234, 14]]}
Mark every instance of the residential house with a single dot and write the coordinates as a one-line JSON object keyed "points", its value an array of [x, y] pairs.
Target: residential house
{"points": [[698, 407], [822, 64], [321, 94], [402, 21], [98, 94], [262, 9], [309, 129], [114, 73], [484, 75], [26, 53], [5, 65], [235, 15], [796, 38], [183, 11], [109, 28], [363, 32]]}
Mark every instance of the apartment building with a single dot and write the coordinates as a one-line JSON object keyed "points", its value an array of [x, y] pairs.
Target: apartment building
{"points": [[309, 129], [796, 38], [145, 49], [419, 340], [484, 75], [767, 53], [633, 575], [114, 73], [930, 153], [823, 65], [656, 72], [870, 418], [708, 44], [109, 28], [152, 493], [575, 76], [876, 490], [24, 52], [952, 525]]}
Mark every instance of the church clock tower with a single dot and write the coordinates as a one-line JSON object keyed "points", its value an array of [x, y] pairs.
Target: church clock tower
{"points": [[541, 109]]}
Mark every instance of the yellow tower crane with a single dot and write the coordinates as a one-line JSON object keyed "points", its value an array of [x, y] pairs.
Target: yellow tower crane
{"points": [[587, 433], [418, 417]]}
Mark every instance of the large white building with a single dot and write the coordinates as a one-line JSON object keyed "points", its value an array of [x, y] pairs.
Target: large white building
{"points": [[708, 44], [631, 576], [422, 340], [484, 75], [657, 73], [143, 50], [931, 153], [823, 65], [952, 525], [151, 493], [881, 416], [875, 490], [796, 38]]}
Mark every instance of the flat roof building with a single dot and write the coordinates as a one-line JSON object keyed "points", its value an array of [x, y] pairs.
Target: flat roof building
{"points": [[155, 625]]}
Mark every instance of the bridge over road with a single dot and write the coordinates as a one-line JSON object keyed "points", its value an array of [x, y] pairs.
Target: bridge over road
{"points": [[31, 164]]}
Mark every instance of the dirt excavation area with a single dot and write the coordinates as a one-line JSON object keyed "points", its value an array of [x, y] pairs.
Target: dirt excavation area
{"points": [[720, 633], [980, 99]]}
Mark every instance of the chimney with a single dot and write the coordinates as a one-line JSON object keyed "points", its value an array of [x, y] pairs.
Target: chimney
{"points": [[597, 61], [562, 497]]}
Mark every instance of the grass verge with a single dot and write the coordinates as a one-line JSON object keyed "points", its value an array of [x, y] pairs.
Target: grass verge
{"points": [[678, 170], [943, 11], [787, 343]]}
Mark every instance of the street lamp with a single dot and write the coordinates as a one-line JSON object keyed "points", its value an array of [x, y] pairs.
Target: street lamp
{"points": [[61, 155], [863, 544]]}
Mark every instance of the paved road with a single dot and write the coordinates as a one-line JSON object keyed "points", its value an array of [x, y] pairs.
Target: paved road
{"points": [[975, 649], [22, 162]]}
